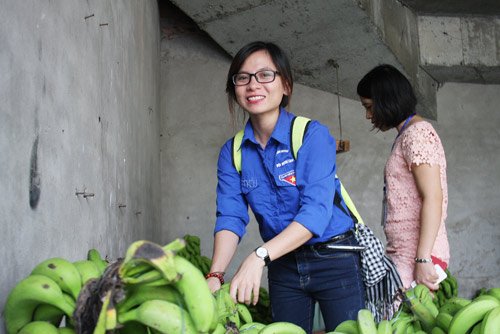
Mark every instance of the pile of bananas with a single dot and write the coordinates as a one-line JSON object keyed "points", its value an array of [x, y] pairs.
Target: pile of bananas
{"points": [[419, 315], [46, 299], [152, 290], [455, 316]]}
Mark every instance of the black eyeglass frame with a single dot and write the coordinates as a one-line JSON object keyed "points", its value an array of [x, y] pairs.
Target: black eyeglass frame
{"points": [[250, 75]]}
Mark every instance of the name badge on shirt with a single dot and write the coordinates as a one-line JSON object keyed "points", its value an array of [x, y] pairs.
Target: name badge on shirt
{"points": [[288, 177]]}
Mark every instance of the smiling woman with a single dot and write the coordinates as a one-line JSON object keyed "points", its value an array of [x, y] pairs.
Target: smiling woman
{"points": [[292, 200]]}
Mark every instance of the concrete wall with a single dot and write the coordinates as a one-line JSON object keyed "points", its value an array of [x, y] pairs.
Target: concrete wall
{"points": [[196, 123], [79, 111]]}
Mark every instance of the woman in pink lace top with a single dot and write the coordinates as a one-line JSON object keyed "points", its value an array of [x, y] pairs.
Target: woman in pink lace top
{"points": [[415, 192]]}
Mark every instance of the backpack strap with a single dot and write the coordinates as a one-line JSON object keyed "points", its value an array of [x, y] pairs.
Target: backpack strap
{"points": [[237, 150], [298, 131]]}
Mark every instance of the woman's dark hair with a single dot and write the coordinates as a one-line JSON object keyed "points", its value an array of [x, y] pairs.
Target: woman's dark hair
{"points": [[280, 60], [392, 95]]}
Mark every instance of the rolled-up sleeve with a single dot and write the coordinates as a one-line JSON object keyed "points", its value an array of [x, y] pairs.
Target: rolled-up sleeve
{"points": [[232, 208], [315, 171]]}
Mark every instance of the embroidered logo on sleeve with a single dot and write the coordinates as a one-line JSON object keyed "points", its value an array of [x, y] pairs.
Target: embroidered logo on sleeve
{"points": [[288, 177]]}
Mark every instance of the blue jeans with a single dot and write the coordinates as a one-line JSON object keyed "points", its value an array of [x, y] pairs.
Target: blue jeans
{"points": [[308, 275]]}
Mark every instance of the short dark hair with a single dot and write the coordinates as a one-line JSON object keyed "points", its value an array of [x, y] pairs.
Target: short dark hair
{"points": [[392, 95], [280, 60]]}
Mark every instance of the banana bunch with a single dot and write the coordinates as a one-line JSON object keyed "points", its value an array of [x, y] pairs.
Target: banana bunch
{"points": [[192, 253], [365, 324], [420, 301], [40, 302], [448, 288], [164, 292], [229, 312]]}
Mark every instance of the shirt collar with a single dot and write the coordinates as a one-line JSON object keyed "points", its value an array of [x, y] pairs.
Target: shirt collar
{"points": [[280, 132]]}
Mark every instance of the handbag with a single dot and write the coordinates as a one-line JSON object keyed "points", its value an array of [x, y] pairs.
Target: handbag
{"points": [[383, 284]]}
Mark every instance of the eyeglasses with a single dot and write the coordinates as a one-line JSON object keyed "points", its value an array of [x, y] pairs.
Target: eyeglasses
{"points": [[266, 76]]}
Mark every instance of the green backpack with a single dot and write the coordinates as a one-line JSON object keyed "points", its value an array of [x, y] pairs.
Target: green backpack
{"points": [[298, 130]]}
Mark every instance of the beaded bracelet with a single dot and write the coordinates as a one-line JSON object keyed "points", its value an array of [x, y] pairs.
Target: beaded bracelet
{"points": [[424, 260], [217, 274]]}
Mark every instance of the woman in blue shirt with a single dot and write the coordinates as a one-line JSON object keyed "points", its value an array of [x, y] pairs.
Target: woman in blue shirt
{"points": [[292, 201]]}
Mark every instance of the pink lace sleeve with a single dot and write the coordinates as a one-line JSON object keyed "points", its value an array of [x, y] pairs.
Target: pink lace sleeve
{"points": [[421, 145]]}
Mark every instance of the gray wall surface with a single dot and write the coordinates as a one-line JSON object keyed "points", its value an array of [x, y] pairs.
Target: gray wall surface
{"points": [[79, 111], [195, 124]]}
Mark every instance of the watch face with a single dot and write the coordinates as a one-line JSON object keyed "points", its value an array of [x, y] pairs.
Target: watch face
{"points": [[261, 252]]}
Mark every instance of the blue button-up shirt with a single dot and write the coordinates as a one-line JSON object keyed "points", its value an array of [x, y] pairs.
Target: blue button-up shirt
{"points": [[278, 188]]}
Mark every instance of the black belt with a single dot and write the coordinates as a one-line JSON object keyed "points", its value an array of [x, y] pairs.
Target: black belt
{"points": [[330, 242]]}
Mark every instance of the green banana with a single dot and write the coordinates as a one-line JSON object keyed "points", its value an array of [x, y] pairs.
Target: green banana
{"points": [[437, 330], [139, 268], [62, 272], [477, 328], [251, 328], [495, 292], [197, 296], [136, 295], [94, 256], [162, 316], [491, 322], [439, 298], [233, 315], [244, 313], [219, 329], [400, 326], [175, 245], [143, 251], [443, 320], [220, 303], [366, 323], [150, 276], [423, 294], [446, 286], [453, 305], [420, 310], [282, 327], [38, 327], [27, 295], [454, 284], [348, 327], [87, 269], [48, 313], [486, 297], [469, 315], [384, 327]]}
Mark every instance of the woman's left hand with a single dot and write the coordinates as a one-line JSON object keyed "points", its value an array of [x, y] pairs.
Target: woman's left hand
{"points": [[425, 273], [245, 284]]}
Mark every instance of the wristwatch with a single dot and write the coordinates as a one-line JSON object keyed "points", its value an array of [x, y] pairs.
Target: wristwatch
{"points": [[263, 254]]}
